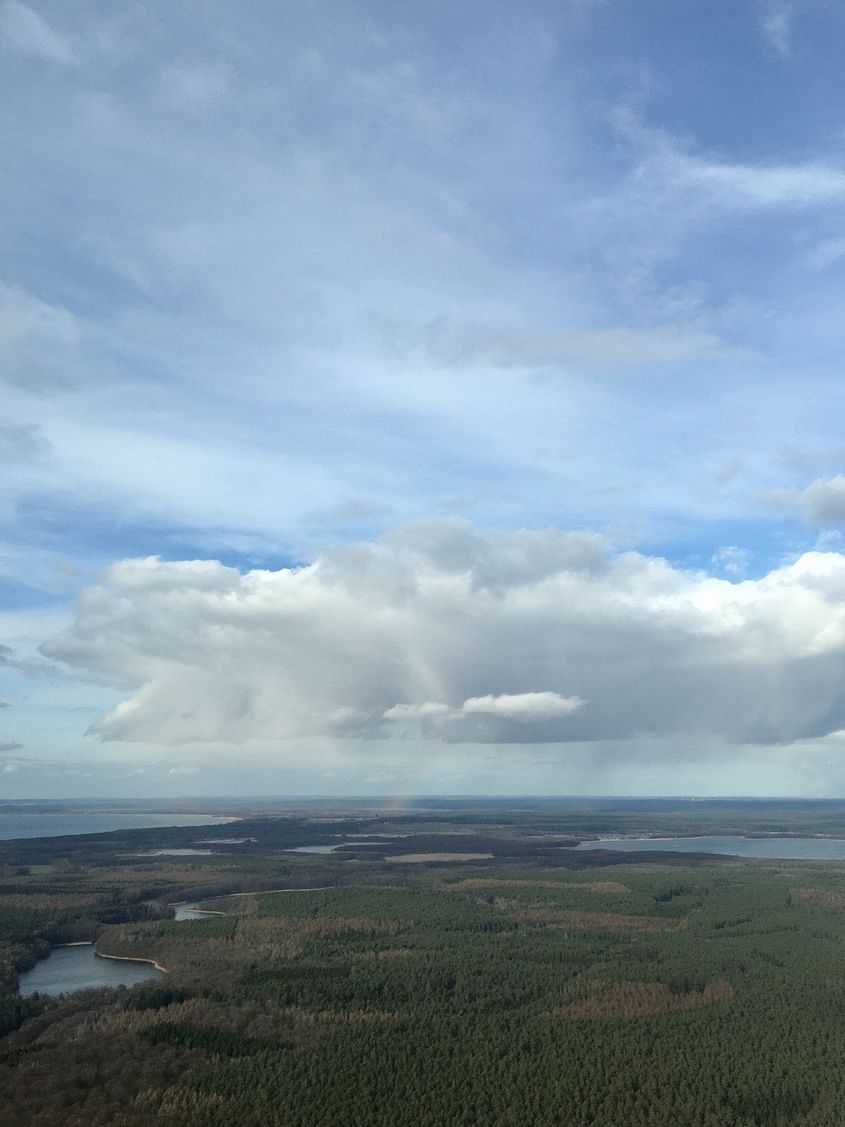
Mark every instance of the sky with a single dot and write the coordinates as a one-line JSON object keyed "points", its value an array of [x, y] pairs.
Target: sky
{"points": [[417, 399]]}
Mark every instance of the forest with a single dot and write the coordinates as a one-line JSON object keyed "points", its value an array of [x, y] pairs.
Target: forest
{"points": [[443, 969]]}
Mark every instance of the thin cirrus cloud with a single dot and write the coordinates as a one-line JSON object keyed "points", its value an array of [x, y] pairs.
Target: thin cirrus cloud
{"points": [[777, 20], [762, 186], [24, 31], [671, 168], [38, 341], [504, 346]]}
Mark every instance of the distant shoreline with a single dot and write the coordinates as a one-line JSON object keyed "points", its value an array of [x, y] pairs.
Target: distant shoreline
{"points": [[18, 826]]}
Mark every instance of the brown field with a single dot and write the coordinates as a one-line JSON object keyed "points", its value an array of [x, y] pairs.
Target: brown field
{"points": [[264, 1021], [642, 999], [420, 858], [829, 899], [565, 920], [385, 953], [472, 883]]}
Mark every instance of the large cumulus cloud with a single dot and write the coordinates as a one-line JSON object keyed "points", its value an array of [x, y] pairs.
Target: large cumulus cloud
{"points": [[443, 631]]}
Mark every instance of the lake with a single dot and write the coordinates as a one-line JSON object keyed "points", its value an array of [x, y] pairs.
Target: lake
{"points": [[774, 848], [176, 853], [79, 967], [17, 825]]}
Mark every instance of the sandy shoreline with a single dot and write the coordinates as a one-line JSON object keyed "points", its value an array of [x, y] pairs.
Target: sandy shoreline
{"points": [[132, 959]]}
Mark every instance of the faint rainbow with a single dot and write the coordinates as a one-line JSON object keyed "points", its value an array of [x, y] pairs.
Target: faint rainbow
{"points": [[395, 803]]}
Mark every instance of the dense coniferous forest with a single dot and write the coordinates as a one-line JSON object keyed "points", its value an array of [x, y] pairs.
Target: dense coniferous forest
{"points": [[460, 969]]}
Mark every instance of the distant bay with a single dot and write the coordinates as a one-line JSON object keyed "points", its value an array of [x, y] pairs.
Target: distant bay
{"points": [[58, 824]]}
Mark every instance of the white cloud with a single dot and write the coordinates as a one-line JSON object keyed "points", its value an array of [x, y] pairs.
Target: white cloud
{"points": [[425, 711], [776, 24], [24, 31], [674, 175], [526, 708], [765, 185], [522, 706], [532, 637]]}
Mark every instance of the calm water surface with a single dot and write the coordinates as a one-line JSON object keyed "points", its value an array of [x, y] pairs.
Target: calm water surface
{"points": [[783, 848], [334, 848], [57, 825], [80, 968], [176, 853]]}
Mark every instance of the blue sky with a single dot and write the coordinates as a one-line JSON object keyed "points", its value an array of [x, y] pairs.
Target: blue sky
{"points": [[503, 321]]}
